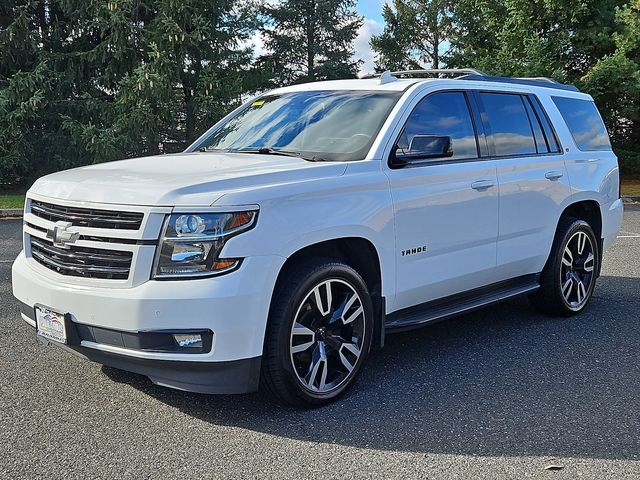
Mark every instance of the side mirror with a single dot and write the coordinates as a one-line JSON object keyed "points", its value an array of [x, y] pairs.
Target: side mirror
{"points": [[424, 147]]}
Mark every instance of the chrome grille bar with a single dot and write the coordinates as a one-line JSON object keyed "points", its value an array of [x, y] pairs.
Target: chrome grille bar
{"points": [[81, 257], [87, 217], [82, 261]]}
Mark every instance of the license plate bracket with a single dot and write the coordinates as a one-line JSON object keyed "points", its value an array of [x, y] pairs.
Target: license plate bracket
{"points": [[51, 324]]}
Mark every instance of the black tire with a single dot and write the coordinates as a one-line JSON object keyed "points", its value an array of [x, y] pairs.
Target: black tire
{"points": [[282, 369], [551, 298]]}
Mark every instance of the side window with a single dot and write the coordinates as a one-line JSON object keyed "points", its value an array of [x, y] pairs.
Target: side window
{"points": [[443, 113], [508, 123], [584, 122], [541, 143], [549, 133]]}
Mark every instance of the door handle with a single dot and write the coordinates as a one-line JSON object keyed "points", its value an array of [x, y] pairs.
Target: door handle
{"points": [[482, 184], [553, 175]]}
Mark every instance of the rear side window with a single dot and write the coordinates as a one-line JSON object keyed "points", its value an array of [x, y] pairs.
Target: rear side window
{"points": [[508, 122], [584, 122], [541, 142], [549, 134]]}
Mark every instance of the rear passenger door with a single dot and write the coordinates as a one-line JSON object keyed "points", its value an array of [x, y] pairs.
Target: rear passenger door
{"points": [[532, 177]]}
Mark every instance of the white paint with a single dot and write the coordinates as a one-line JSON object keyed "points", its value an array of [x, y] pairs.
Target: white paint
{"points": [[473, 238]]}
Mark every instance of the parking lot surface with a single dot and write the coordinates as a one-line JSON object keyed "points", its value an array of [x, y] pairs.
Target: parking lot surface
{"points": [[499, 393]]}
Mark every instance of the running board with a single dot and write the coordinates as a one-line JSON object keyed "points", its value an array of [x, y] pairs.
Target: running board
{"points": [[426, 313]]}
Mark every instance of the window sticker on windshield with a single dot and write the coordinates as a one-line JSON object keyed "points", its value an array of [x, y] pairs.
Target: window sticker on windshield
{"points": [[257, 103]]}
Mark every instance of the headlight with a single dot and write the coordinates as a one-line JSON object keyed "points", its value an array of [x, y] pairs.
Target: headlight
{"points": [[191, 243]]}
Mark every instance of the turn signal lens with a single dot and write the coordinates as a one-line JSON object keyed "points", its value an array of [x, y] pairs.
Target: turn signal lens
{"points": [[224, 264], [241, 218]]}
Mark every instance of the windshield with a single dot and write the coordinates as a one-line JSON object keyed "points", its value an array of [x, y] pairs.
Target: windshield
{"points": [[316, 125]]}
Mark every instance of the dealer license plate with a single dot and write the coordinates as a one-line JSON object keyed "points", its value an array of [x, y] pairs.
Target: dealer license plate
{"points": [[51, 325]]}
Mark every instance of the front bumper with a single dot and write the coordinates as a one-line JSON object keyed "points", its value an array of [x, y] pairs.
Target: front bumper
{"points": [[234, 307], [237, 376]]}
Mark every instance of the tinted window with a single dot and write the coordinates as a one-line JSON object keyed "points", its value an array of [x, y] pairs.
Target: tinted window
{"points": [[444, 113], [541, 143], [549, 133], [584, 122], [508, 124]]}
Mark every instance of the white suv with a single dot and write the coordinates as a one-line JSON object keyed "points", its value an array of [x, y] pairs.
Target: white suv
{"points": [[283, 244]]}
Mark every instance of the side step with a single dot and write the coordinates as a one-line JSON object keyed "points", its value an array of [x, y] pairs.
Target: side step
{"points": [[426, 313]]}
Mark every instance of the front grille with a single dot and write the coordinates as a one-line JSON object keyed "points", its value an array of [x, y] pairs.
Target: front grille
{"points": [[82, 261], [87, 217]]}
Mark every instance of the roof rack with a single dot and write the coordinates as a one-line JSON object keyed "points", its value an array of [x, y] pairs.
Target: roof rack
{"points": [[533, 81], [459, 71], [474, 74]]}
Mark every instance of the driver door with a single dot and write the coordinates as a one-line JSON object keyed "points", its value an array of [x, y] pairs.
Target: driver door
{"points": [[446, 209]]}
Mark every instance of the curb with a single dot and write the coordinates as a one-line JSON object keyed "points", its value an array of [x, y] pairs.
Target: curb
{"points": [[631, 200], [11, 212]]}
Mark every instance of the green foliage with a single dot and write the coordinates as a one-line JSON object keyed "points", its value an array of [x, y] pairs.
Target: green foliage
{"points": [[89, 81], [562, 39], [413, 35], [614, 83], [85, 81], [594, 44], [311, 39]]}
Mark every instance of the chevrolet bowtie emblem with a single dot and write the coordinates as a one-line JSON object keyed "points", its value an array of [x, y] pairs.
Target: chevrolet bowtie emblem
{"points": [[61, 236]]}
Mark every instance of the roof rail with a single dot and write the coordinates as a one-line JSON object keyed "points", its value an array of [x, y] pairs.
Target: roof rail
{"points": [[459, 71], [387, 76], [540, 79], [533, 81], [474, 74]]}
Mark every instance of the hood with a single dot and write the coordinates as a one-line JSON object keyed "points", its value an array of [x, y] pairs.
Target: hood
{"points": [[192, 179]]}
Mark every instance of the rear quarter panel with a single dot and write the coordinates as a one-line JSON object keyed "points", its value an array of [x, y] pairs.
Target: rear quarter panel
{"points": [[593, 175]]}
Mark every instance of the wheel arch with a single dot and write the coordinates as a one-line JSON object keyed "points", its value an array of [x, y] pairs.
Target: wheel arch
{"points": [[359, 253], [587, 210], [590, 211]]}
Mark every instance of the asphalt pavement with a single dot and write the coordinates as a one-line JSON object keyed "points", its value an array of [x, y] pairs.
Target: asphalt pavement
{"points": [[499, 393]]}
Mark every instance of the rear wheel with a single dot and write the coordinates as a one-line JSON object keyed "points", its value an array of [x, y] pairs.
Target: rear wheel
{"points": [[319, 334], [569, 277]]}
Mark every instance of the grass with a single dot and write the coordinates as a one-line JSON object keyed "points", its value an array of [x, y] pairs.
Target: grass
{"points": [[11, 200], [631, 187]]}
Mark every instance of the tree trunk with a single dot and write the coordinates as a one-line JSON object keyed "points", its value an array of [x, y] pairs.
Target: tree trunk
{"points": [[310, 24], [435, 56], [190, 84]]}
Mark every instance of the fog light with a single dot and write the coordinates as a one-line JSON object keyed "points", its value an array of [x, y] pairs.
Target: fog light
{"points": [[189, 340]]}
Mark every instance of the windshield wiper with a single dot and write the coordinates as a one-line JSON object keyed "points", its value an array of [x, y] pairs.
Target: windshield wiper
{"points": [[274, 151], [211, 149], [263, 151]]}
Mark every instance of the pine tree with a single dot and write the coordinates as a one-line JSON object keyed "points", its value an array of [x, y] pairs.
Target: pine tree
{"points": [[312, 39], [87, 81], [415, 33], [562, 39]]}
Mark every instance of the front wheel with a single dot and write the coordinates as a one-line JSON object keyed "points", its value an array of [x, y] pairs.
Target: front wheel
{"points": [[569, 277], [319, 333]]}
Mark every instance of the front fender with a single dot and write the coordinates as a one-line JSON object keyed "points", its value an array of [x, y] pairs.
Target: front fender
{"points": [[293, 217]]}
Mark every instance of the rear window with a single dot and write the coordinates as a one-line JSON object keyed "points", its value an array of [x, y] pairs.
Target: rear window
{"points": [[584, 122]]}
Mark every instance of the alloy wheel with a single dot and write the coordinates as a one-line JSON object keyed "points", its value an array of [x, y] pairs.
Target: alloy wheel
{"points": [[577, 270], [327, 336]]}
